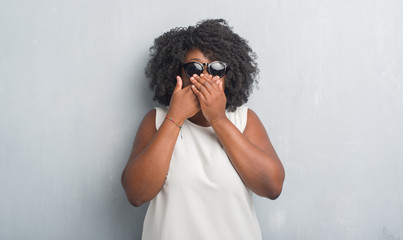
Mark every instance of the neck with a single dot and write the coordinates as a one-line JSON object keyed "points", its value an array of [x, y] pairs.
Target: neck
{"points": [[199, 119]]}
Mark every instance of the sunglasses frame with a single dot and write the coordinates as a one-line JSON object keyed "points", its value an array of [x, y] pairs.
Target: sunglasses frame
{"points": [[208, 67]]}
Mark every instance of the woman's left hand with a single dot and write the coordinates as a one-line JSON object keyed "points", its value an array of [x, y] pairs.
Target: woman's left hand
{"points": [[210, 92]]}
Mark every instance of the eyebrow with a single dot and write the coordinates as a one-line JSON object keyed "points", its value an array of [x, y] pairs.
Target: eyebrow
{"points": [[195, 59]]}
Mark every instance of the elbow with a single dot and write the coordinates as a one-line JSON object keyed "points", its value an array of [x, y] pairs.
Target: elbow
{"points": [[133, 196], [273, 195], [274, 191], [136, 202], [135, 199]]}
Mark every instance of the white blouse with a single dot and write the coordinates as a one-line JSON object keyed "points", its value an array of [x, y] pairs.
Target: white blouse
{"points": [[203, 196]]}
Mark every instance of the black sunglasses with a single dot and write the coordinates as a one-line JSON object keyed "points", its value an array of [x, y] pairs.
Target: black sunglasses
{"points": [[215, 68]]}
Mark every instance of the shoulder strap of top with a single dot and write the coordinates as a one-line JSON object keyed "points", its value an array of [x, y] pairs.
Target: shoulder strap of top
{"points": [[159, 116], [239, 117]]}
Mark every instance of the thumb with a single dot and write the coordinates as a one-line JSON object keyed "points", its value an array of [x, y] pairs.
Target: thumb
{"points": [[178, 84]]}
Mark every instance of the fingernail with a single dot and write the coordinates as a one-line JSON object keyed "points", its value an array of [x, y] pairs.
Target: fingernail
{"points": [[201, 75]]}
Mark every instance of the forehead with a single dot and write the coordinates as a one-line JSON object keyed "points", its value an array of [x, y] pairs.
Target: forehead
{"points": [[194, 54]]}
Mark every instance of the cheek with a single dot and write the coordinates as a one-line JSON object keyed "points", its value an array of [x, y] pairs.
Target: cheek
{"points": [[186, 82]]}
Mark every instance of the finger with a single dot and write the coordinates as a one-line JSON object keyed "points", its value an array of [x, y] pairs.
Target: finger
{"points": [[178, 84], [200, 84], [201, 78], [206, 80], [220, 85], [209, 79], [199, 95], [217, 81], [206, 77], [216, 78]]}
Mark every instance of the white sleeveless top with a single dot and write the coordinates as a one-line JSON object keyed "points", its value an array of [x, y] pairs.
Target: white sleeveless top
{"points": [[203, 196]]}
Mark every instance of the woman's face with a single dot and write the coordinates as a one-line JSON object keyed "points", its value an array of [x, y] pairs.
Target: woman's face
{"points": [[195, 55]]}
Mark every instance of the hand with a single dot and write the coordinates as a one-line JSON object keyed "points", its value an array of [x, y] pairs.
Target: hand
{"points": [[210, 93], [184, 104]]}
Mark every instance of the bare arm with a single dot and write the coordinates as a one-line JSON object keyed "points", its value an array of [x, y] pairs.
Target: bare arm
{"points": [[149, 161], [146, 170], [251, 153]]}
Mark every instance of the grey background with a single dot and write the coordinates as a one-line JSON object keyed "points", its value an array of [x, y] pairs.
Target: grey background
{"points": [[73, 91]]}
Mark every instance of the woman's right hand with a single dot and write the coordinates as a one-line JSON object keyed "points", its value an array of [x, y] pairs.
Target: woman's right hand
{"points": [[184, 103], [148, 165]]}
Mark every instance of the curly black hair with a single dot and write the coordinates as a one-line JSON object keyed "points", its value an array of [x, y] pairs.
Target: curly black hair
{"points": [[219, 43]]}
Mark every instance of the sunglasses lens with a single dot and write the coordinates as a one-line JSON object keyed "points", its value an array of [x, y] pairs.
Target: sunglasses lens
{"points": [[217, 69], [193, 68]]}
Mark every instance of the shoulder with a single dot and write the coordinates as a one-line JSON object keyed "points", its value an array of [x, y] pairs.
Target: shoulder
{"points": [[154, 117], [145, 132], [245, 119], [252, 116], [253, 122], [151, 113], [148, 122], [239, 117], [256, 132], [245, 115], [150, 116]]}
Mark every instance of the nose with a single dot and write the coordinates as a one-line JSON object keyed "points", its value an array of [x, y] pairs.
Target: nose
{"points": [[205, 70]]}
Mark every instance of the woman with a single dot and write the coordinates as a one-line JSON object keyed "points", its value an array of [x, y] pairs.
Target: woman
{"points": [[199, 160]]}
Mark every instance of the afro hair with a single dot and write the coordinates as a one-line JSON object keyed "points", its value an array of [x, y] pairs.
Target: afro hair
{"points": [[219, 43]]}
